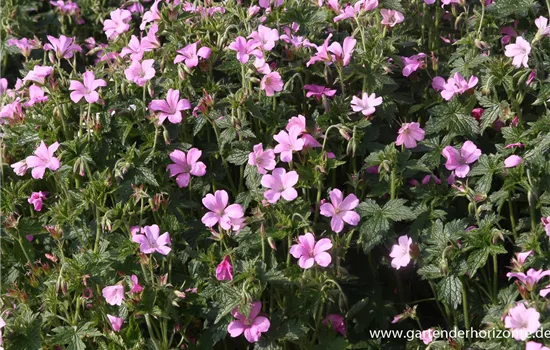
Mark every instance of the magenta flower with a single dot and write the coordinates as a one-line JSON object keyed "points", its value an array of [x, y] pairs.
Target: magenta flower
{"points": [[308, 252], [38, 74], [343, 53], [262, 160], [341, 210], [336, 322], [288, 142], [252, 326], [116, 322], [532, 345], [413, 63], [43, 159], [271, 83], [512, 161], [219, 212], [458, 161], [118, 23], [86, 90], [224, 271], [190, 55], [140, 73], [401, 252], [266, 37], [64, 47], [409, 134], [318, 91], [246, 48], [391, 17], [25, 45], [134, 49], [531, 278], [114, 295], [280, 184], [366, 103], [522, 321], [519, 51], [456, 85], [36, 199], [136, 288], [151, 242], [186, 165], [36, 95], [171, 107]]}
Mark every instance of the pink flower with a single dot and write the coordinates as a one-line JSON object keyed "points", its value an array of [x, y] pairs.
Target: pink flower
{"points": [[347, 12], [20, 168], [271, 83], [190, 55], [224, 271], [519, 51], [136, 288], [531, 278], [545, 221], [36, 199], [171, 107], [25, 45], [413, 63], [246, 48], [458, 161], [288, 142], [367, 5], [152, 15], [140, 73], [134, 49], [38, 74], [531, 345], [118, 23], [43, 159], [542, 25], [401, 252], [151, 242], [3, 86], [114, 295], [519, 260], [456, 85], [343, 53], [280, 183], [512, 161], [522, 321], [185, 166], [308, 252], [391, 17], [427, 336], [151, 41], [318, 91], [11, 111], [477, 113], [36, 95], [262, 160], [252, 326], [438, 83], [64, 47], [409, 134], [266, 37], [219, 212], [322, 54], [341, 210], [86, 90], [337, 323], [365, 104], [116, 322]]}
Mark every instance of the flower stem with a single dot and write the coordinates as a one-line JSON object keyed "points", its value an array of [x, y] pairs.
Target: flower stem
{"points": [[97, 229], [465, 307]]}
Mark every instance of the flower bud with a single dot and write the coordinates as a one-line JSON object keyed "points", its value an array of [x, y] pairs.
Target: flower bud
{"points": [[271, 243]]}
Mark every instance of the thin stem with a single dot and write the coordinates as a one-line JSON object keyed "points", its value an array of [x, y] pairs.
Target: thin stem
{"points": [[512, 219], [97, 229], [495, 276], [393, 194], [465, 308]]}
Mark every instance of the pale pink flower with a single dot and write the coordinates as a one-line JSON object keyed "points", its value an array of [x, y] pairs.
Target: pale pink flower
{"points": [[171, 107], [409, 134], [519, 260], [522, 321], [341, 210], [438, 83], [413, 63], [336, 322], [401, 252], [151, 41], [118, 23], [64, 47], [116, 322], [342, 53], [20, 168], [38, 74], [186, 165], [3, 86], [288, 143], [190, 55], [136, 287], [367, 5], [152, 15], [280, 184], [114, 295], [220, 213], [531, 278], [43, 159], [151, 242], [134, 49], [262, 160], [318, 91], [86, 90], [391, 17], [11, 111], [545, 222], [266, 3], [531, 345], [224, 271], [140, 73], [347, 12], [458, 161], [36, 199], [25, 45], [322, 54], [308, 252], [542, 25], [512, 145], [519, 51], [252, 326], [512, 161], [36, 95], [271, 83], [246, 48], [366, 103], [456, 85], [427, 336], [266, 37]]}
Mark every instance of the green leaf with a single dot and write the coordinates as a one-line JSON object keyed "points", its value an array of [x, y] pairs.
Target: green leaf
{"points": [[238, 156], [146, 176], [450, 291], [477, 260]]}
